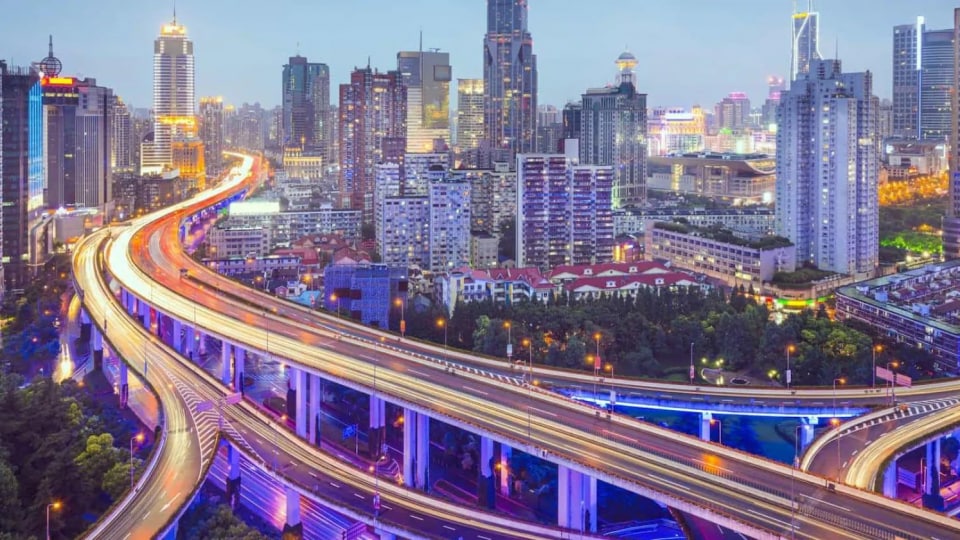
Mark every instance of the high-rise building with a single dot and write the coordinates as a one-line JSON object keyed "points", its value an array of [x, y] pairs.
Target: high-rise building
{"points": [[936, 84], [768, 115], [614, 132], [676, 130], [493, 198], [572, 119], [405, 231], [419, 170], [21, 174], [211, 133], [122, 138], [806, 38], [827, 169], [449, 223], [564, 211], [733, 112], [372, 130], [173, 96], [470, 130], [306, 120], [427, 76], [907, 44], [510, 81], [78, 142], [951, 222]]}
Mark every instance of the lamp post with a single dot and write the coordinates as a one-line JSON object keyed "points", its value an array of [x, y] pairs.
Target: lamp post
{"points": [[138, 438], [609, 367], [335, 298], [842, 381], [789, 374], [528, 343], [836, 421], [403, 320], [276, 443], [509, 327], [692, 369], [719, 424], [56, 506], [796, 465], [873, 372], [442, 323], [893, 381]]}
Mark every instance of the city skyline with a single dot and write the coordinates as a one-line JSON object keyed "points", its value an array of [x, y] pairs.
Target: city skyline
{"points": [[120, 53]]}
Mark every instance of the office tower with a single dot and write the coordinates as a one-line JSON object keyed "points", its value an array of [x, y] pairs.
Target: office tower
{"points": [[419, 170], [122, 137], [372, 128], [78, 136], [211, 133], [493, 198], [951, 222], [885, 121], [614, 132], [827, 169], [733, 112], [173, 96], [250, 127], [564, 211], [936, 84], [470, 130], [509, 80], [572, 118], [806, 37], [306, 104], [21, 173], [427, 75], [547, 114], [676, 130], [907, 44], [449, 223], [768, 114]]}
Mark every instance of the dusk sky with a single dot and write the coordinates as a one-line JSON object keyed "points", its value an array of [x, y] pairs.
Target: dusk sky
{"points": [[690, 51]]}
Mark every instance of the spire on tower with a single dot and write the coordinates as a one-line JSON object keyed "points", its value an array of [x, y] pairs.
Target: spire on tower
{"points": [[50, 49], [174, 12], [51, 66]]}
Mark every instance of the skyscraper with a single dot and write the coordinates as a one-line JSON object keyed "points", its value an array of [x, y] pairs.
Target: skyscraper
{"points": [[614, 132], [21, 172], [372, 129], [211, 133], [306, 104], [564, 211], [733, 112], [951, 222], [173, 96], [936, 84], [470, 130], [907, 44], [122, 138], [427, 77], [449, 223], [510, 81], [806, 38], [827, 169]]}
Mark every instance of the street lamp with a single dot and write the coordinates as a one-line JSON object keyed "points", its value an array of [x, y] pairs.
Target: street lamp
{"points": [[56, 506], [528, 343], [873, 373], [403, 321], [692, 369], [335, 298], [509, 327], [789, 374], [138, 438], [442, 323], [719, 424], [613, 395], [893, 381], [835, 422], [842, 381]]}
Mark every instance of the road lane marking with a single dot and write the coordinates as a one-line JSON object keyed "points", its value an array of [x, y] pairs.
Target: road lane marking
{"points": [[766, 517], [147, 514], [334, 485], [543, 411], [359, 496], [837, 506], [449, 528], [414, 516], [472, 389]]}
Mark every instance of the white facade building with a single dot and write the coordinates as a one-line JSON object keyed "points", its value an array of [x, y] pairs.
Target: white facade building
{"points": [[449, 224]]}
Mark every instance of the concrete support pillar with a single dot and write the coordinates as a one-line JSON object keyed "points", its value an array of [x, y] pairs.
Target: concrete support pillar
{"points": [[806, 432], [201, 343], [301, 410], [576, 500], [226, 359], [96, 348], [486, 491], [423, 451], [124, 385], [144, 314], [239, 365], [292, 527], [233, 477], [409, 447], [375, 436], [505, 472], [189, 343], [931, 496], [705, 419], [125, 299], [890, 480], [313, 416], [176, 338]]}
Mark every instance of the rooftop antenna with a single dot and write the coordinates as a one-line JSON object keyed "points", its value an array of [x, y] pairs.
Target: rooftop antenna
{"points": [[50, 49], [174, 12], [298, 48]]}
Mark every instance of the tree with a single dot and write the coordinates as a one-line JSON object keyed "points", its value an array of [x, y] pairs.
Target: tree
{"points": [[116, 481], [9, 499]]}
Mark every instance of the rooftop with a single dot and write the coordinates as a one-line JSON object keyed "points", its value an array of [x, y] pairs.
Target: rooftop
{"points": [[722, 234]]}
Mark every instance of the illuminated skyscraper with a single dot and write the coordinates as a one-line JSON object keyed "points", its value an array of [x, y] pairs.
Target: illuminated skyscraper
{"points": [[936, 84], [173, 96], [122, 138], [733, 112], [907, 44], [951, 222], [806, 37], [21, 172], [827, 169], [510, 81], [306, 105], [211, 133], [470, 131], [427, 77], [614, 132]]}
